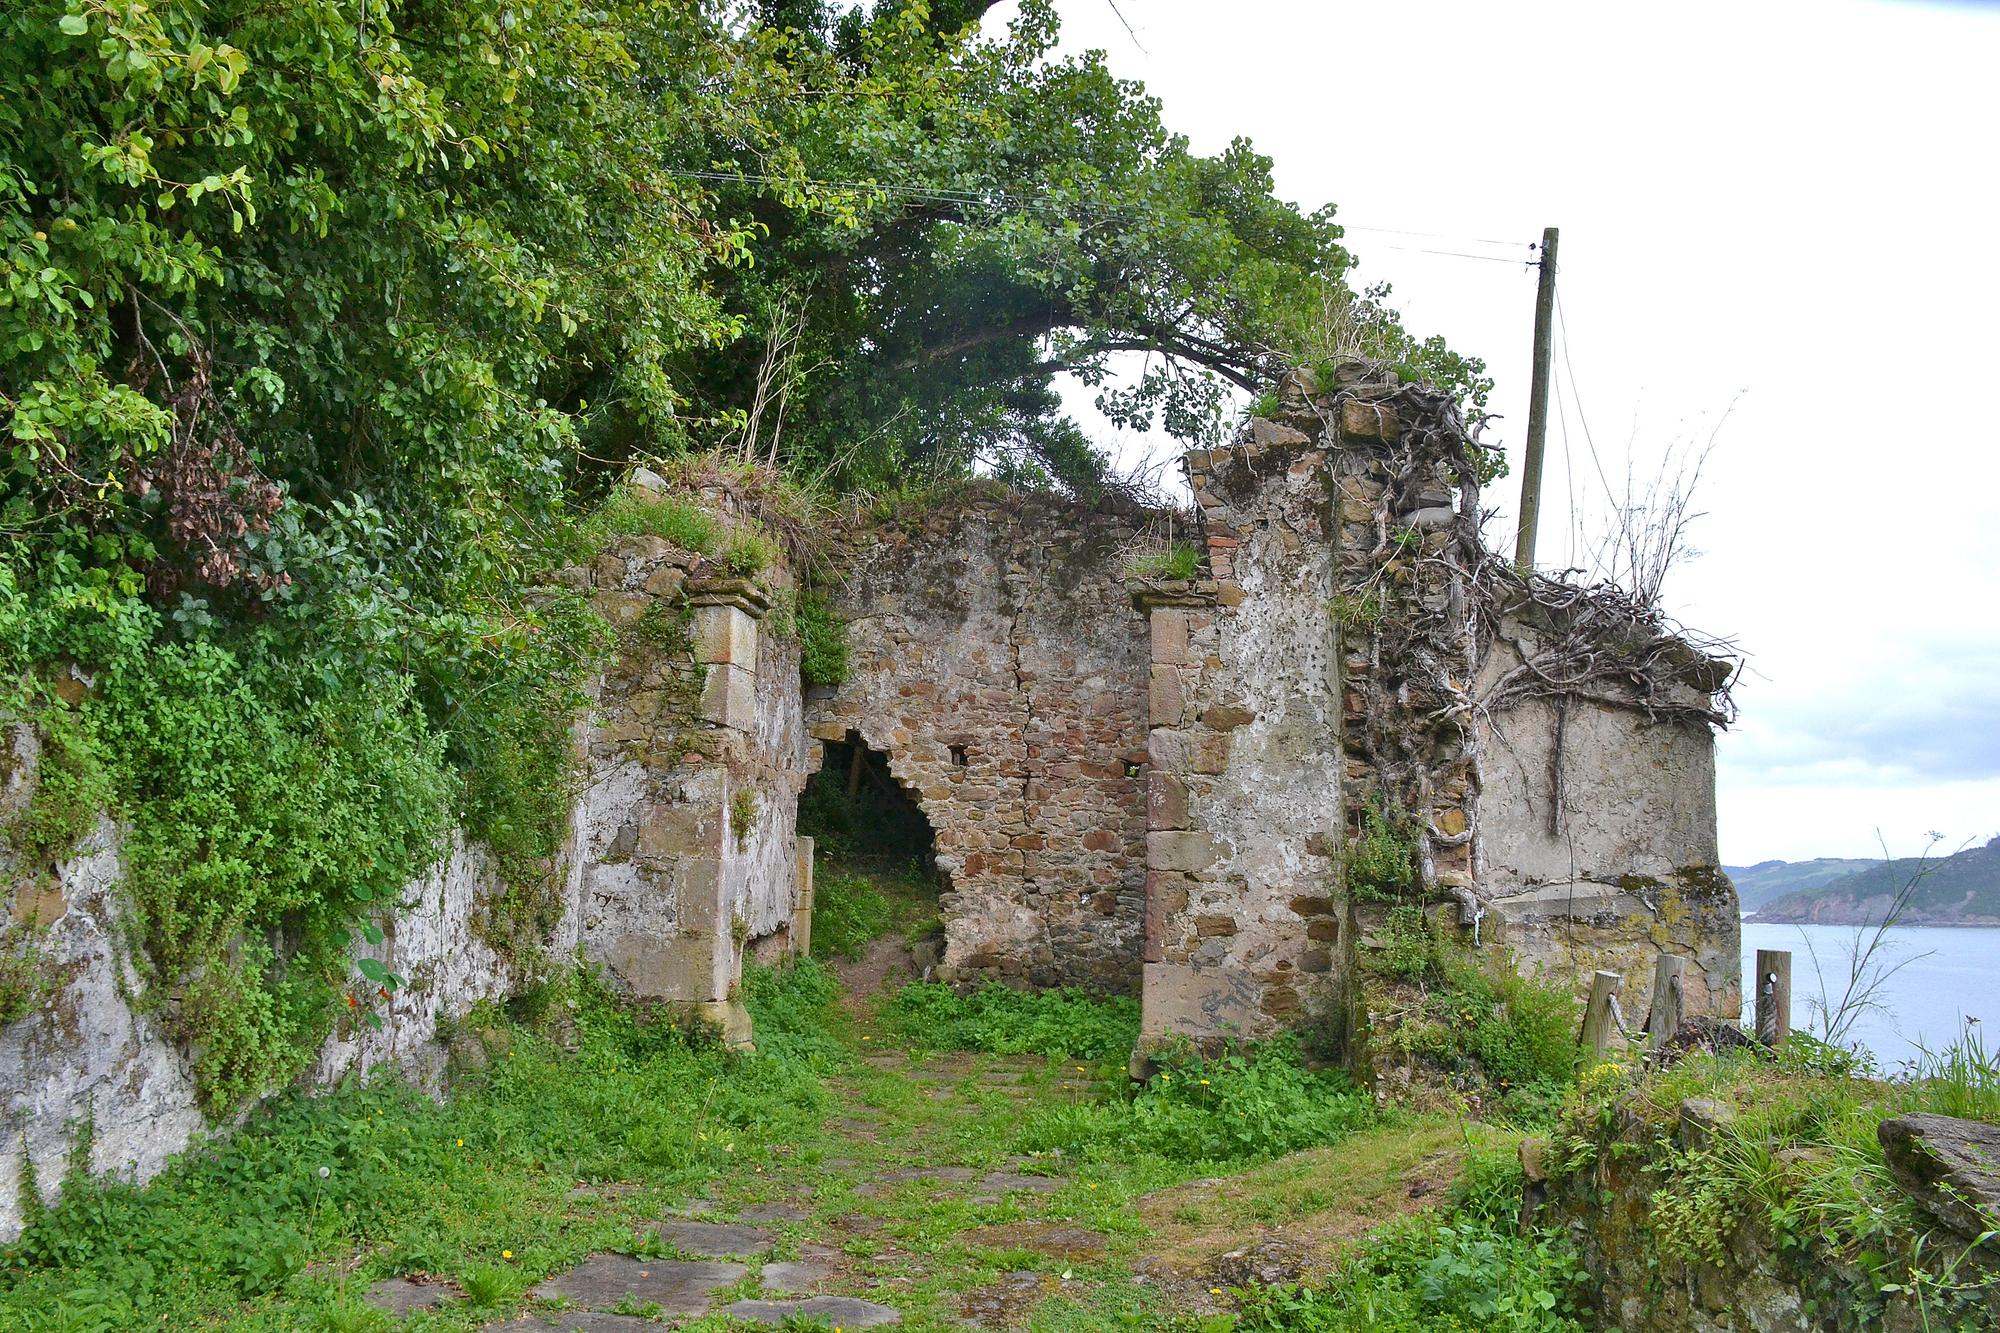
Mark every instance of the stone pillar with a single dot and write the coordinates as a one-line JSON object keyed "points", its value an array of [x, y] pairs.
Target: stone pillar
{"points": [[726, 612], [1178, 995], [802, 915]]}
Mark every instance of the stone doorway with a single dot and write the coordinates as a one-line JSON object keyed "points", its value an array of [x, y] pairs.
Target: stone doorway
{"points": [[874, 849]]}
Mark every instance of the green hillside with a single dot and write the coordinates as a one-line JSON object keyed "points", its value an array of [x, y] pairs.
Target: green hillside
{"points": [[1961, 890], [1759, 884]]}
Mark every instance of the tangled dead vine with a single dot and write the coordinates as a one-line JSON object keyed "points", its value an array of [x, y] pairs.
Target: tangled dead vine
{"points": [[1426, 605]]}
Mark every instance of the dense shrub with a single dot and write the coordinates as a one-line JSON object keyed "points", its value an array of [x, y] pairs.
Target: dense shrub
{"points": [[1066, 1021], [1236, 1108]]}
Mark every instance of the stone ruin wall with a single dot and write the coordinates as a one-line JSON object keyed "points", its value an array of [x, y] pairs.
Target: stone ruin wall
{"points": [[694, 756], [1160, 781], [1599, 841], [1000, 623], [655, 885], [1244, 908]]}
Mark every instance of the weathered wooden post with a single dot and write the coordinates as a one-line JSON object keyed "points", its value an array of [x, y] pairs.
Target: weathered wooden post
{"points": [[1774, 996], [1600, 1024], [1669, 1006]]}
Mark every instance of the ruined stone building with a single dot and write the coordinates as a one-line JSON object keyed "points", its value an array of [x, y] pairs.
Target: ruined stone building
{"points": [[1135, 784]]}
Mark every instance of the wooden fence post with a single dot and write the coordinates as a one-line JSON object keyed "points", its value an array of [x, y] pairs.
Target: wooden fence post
{"points": [[1599, 1027], [1669, 1006], [1774, 996]]}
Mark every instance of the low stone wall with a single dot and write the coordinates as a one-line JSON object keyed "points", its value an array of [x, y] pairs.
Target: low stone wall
{"points": [[86, 1055], [997, 662], [682, 858], [1754, 1281]]}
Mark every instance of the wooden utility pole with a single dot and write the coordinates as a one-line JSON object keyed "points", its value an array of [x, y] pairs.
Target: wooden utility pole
{"points": [[1538, 405], [1774, 996]]}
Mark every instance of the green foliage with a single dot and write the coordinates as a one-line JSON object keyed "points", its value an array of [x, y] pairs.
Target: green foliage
{"points": [[419, 1186], [1064, 1022], [822, 640], [741, 548], [849, 912], [1519, 1034], [488, 1285], [743, 810], [1233, 1108], [1799, 1154], [1383, 863], [1179, 561], [1427, 1275], [26, 973]]}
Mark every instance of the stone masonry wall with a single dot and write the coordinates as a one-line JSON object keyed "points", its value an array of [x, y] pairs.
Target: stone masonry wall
{"points": [[1243, 922], [686, 849], [669, 879], [86, 1053], [1599, 847], [1000, 624]]}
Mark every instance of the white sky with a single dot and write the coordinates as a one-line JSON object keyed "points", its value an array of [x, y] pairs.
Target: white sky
{"points": [[1785, 206]]}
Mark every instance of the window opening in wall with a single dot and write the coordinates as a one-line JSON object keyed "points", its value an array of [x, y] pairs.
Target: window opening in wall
{"points": [[875, 874], [959, 758]]}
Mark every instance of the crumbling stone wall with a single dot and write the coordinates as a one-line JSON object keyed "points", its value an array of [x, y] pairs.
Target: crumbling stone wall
{"points": [[1599, 846], [1243, 899], [686, 833], [669, 878], [1000, 624]]}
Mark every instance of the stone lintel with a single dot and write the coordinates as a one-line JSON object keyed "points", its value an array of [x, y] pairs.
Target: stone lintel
{"points": [[1149, 593], [743, 594]]}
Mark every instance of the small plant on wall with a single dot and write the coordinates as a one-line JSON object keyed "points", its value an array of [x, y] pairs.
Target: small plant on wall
{"points": [[1383, 863], [743, 816]]}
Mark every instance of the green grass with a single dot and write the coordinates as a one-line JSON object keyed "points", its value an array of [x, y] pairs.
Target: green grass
{"points": [[1065, 1022], [1237, 1109], [1179, 561], [628, 512], [477, 1189]]}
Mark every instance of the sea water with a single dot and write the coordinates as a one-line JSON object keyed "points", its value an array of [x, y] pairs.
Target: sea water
{"points": [[1942, 976]]}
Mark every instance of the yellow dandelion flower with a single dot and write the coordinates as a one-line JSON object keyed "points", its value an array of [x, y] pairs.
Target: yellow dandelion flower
{"points": [[1215, 1291], [1204, 1083], [461, 1143], [506, 1254]]}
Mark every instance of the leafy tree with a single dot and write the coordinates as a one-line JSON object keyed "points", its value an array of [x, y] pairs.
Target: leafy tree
{"points": [[989, 216]]}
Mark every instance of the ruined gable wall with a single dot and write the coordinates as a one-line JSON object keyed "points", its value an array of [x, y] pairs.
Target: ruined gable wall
{"points": [[1599, 847], [1243, 925], [1000, 623]]}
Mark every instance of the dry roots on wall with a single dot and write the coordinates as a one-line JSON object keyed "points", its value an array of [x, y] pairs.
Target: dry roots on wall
{"points": [[1422, 603]]}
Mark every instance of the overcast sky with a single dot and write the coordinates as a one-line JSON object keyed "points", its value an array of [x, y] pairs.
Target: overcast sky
{"points": [[1785, 207]]}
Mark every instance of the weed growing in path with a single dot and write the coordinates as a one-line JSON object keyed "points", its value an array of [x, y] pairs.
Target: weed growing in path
{"points": [[1000, 1021]]}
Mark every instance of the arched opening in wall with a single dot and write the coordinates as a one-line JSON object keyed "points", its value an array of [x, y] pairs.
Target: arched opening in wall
{"points": [[875, 868]]}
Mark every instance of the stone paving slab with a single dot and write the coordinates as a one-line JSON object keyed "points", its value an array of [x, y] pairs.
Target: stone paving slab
{"points": [[1006, 1302], [574, 1321], [399, 1295], [677, 1286], [794, 1277], [843, 1311], [773, 1212], [714, 1240]]}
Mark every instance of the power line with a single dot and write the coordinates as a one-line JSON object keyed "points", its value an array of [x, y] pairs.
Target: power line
{"points": [[1562, 325], [1455, 254]]}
